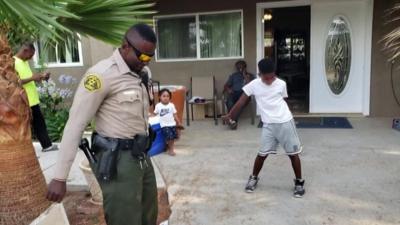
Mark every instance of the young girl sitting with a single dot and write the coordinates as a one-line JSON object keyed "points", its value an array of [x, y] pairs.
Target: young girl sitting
{"points": [[168, 119]]}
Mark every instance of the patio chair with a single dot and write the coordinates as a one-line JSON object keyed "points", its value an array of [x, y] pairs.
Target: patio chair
{"points": [[203, 87], [251, 104]]}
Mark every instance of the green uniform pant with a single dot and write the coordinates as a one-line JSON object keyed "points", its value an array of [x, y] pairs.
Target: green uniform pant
{"points": [[131, 198]]}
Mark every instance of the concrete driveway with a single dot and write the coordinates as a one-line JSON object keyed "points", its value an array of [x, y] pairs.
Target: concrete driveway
{"points": [[352, 177]]}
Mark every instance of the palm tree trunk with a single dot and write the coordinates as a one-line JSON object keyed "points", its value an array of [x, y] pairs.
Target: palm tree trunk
{"points": [[22, 184]]}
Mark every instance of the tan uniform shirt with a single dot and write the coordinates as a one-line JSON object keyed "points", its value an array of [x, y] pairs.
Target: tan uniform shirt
{"points": [[115, 97]]}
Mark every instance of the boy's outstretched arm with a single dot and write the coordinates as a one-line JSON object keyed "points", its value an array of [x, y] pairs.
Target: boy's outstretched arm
{"points": [[236, 108]]}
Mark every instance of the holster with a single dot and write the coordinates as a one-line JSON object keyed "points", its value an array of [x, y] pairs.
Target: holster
{"points": [[142, 143], [140, 146], [107, 152]]}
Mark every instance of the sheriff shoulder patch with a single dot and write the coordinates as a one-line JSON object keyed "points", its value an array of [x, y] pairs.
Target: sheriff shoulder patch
{"points": [[92, 82]]}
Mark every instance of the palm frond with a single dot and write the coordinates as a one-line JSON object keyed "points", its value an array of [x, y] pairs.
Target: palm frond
{"points": [[58, 21], [106, 20], [391, 41], [392, 44], [35, 16]]}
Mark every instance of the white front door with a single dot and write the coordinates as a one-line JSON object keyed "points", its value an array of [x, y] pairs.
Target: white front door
{"points": [[340, 56]]}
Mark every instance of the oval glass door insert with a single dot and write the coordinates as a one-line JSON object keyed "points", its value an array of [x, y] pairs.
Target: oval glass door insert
{"points": [[338, 55]]}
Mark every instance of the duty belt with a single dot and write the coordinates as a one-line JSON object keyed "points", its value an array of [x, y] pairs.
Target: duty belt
{"points": [[139, 145], [126, 144], [108, 151]]}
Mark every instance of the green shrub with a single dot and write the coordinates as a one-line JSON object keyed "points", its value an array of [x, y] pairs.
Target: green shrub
{"points": [[54, 103], [56, 124]]}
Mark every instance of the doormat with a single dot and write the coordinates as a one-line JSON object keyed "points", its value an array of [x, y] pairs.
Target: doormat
{"points": [[323, 122]]}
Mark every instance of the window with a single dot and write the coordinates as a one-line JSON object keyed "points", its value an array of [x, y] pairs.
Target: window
{"points": [[338, 55], [59, 55], [200, 36], [177, 38]]}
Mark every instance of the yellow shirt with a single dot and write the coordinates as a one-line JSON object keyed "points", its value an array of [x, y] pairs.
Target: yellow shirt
{"points": [[25, 72]]}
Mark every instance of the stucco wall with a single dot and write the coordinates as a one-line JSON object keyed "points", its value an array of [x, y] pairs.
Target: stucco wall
{"points": [[99, 50], [180, 72], [92, 52], [382, 99], [78, 70], [383, 102]]}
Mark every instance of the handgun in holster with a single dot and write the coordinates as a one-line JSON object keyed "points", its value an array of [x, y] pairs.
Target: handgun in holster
{"points": [[107, 151], [90, 155]]}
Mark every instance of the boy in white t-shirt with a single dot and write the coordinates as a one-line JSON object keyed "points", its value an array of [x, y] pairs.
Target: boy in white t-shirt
{"points": [[279, 127], [168, 119]]}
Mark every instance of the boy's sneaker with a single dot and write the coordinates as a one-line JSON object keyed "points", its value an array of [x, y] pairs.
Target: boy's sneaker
{"points": [[51, 148], [233, 124], [299, 190], [251, 184]]}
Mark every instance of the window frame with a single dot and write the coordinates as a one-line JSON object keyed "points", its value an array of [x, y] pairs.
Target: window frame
{"points": [[59, 64], [198, 50]]}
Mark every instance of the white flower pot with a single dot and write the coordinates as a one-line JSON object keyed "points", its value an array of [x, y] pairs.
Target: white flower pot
{"points": [[94, 187], [54, 215]]}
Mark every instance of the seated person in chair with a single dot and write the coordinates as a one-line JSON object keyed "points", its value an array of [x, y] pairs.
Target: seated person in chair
{"points": [[233, 88]]}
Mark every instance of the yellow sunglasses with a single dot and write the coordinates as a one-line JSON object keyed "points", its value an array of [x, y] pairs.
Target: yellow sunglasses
{"points": [[140, 55]]}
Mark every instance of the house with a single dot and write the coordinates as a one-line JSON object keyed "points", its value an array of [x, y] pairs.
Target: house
{"points": [[328, 51]]}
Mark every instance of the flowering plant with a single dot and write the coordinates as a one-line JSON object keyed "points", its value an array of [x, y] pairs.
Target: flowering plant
{"points": [[54, 102]]}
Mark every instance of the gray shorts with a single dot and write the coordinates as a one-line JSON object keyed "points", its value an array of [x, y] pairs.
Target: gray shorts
{"points": [[284, 134]]}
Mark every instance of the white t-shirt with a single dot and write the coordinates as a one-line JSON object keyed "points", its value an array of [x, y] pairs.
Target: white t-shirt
{"points": [[270, 100], [166, 113]]}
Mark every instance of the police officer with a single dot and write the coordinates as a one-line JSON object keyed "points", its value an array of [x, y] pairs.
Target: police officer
{"points": [[113, 93]]}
